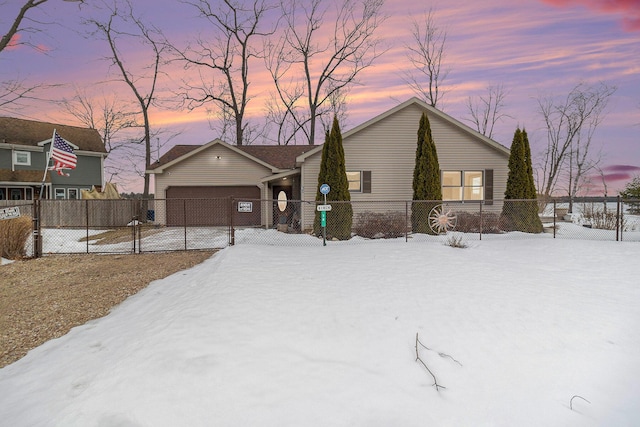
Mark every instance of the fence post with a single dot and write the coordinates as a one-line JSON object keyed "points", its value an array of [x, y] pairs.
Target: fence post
{"points": [[37, 236], [618, 222], [554, 218], [184, 215], [481, 203], [232, 230], [406, 221], [86, 210]]}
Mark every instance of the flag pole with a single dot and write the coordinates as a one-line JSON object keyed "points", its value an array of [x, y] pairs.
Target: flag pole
{"points": [[46, 164]]}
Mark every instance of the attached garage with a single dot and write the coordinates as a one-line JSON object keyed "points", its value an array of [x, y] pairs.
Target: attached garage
{"points": [[198, 182], [211, 206]]}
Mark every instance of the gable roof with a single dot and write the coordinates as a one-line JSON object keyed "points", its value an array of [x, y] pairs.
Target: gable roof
{"points": [[430, 110], [275, 157], [30, 133], [280, 156]]}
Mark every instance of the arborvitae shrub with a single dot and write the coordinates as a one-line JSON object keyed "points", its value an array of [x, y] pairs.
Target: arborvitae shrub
{"points": [[333, 173], [520, 209], [426, 179]]}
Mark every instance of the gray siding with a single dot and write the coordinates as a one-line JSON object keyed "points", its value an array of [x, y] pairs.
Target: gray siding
{"points": [[87, 173], [37, 158]]}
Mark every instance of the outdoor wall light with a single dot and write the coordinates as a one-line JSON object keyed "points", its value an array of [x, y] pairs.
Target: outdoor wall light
{"points": [[218, 157]]}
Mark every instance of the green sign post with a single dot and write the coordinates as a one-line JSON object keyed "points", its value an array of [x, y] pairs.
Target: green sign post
{"points": [[324, 189]]}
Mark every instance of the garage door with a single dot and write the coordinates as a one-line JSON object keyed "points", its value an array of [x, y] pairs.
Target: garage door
{"points": [[210, 206]]}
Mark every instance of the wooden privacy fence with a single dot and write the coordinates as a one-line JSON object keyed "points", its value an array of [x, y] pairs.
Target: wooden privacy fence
{"points": [[92, 213]]}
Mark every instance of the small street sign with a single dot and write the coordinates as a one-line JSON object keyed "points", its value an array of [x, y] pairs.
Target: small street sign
{"points": [[324, 189], [323, 218], [8, 213], [323, 208]]}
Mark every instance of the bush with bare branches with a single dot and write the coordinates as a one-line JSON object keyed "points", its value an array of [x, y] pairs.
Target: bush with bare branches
{"points": [[14, 233], [470, 222], [378, 225]]}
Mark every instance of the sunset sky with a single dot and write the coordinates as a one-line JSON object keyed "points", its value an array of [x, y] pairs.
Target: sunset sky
{"points": [[533, 48]]}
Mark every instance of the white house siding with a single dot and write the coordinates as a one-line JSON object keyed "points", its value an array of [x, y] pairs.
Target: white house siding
{"points": [[387, 149], [204, 168]]}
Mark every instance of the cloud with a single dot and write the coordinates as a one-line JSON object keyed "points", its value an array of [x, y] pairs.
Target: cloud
{"points": [[14, 42], [622, 168], [629, 9], [620, 172]]}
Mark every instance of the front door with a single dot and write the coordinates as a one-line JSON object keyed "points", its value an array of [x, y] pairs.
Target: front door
{"points": [[283, 216]]}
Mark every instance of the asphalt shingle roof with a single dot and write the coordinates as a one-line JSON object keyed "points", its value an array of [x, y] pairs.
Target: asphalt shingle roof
{"points": [[31, 132], [279, 156]]}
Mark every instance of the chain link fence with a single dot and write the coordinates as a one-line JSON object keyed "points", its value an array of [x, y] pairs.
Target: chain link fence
{"points": [[135, 226]]}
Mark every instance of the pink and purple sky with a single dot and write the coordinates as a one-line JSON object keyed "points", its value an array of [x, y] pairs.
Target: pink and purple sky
{"points": [[533, 48]]}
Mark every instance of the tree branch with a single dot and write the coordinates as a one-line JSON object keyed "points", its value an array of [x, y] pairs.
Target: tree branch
{"points": [[418, 359]]}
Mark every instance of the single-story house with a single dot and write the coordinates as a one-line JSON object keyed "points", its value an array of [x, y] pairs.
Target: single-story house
{"points": [[379, 155], [24, 148]]}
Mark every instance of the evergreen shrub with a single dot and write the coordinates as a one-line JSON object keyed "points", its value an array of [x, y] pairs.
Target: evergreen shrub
{"points": [[333, 172]]}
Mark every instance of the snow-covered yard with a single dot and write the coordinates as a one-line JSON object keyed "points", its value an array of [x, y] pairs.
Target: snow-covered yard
{"points": [[326, 336]]}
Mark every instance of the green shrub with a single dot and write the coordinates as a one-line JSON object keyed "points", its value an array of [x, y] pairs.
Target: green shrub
{"points": [[632, 191], [14, 234], [333, 172], [426, 179]]}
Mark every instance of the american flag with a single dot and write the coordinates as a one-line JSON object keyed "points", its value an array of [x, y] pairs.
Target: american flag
{"points": [[62, 155]]}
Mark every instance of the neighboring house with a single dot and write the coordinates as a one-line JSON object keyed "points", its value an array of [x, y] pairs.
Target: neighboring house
{"points": [[379, 155], [24, 147]]}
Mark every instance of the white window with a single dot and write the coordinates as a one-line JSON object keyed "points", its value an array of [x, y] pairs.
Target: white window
{"points": [[22, 158], [73, 193], [60, 193], [462, 185], [355, 181]]}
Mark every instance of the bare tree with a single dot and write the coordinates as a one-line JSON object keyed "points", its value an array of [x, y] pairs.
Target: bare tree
{"points": [[142, 86], [223, 64], [488, 109], [14, 93], [9, 37], [109, 116], [285, 101], [570, 124], [427, 53], [310, 67], [16, 90]]}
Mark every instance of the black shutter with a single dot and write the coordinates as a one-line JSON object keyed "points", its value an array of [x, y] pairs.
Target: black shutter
{"points": [[366, 181], [488, 187]]}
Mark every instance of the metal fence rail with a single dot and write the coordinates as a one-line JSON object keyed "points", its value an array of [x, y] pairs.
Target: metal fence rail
{"points": [[135, 226]]}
